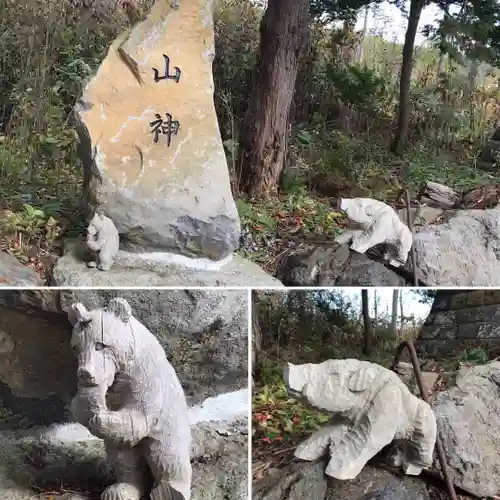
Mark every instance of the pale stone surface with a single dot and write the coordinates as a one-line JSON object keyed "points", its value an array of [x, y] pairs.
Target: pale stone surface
{"points": [[463, 251], [379, 224], [71, 271], [103, 239], [13, 273], [162, 197], [48, 457], [372, 408], [468, 416], [144, 423]]}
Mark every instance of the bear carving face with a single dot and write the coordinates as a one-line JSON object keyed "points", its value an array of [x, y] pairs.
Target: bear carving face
{"points": [[95, 225], [99, 342]]}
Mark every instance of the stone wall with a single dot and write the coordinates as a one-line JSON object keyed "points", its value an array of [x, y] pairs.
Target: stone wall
{"points": [[461, 319]]}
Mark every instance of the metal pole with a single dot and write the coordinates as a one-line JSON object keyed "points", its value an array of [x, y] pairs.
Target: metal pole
{"points": [[439, 445]]}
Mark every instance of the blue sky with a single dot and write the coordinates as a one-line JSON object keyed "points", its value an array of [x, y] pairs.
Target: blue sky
{"points": [[391, 23], [411, 303]]}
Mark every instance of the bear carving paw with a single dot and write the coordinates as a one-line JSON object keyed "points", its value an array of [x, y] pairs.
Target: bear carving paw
{"points": [[122, 491], [92, 264]]}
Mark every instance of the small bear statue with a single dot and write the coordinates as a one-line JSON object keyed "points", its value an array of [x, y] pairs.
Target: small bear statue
{"points": [[103, 239]]}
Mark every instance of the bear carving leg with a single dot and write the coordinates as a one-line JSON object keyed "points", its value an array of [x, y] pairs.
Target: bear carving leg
{"points": [[131, 473], [122, 491], [361, 443], [104, 266]]}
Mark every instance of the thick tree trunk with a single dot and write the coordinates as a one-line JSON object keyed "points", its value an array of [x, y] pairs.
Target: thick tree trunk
{"points": [[283, 33], [367, 337], [394, 317], [361, 53], [401, 136]]}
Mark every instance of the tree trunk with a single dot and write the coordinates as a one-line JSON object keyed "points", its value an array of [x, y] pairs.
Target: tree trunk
{"points": [[283, 32], [394, 318], [365, 305], [361, 53], [401, 136]]}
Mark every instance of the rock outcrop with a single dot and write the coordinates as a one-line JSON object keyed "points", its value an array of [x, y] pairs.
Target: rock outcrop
{"points": [[13, 273], [306, 481], [464, 251], [468, 416]]}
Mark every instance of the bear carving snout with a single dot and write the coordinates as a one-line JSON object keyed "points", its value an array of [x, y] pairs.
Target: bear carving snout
{"points": [[85, 378]]}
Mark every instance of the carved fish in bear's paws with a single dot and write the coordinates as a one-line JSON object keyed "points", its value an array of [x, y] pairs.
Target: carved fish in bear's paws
{"points": [[122, 491]]}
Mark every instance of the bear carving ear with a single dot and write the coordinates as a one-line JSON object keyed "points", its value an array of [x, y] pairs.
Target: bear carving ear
{"points": [[78, 314], [120, 308]]}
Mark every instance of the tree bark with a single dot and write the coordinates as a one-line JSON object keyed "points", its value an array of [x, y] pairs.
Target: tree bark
{"points": [[401, 136], [283, 33], [394, 318], [365, 305], [361, 53]]}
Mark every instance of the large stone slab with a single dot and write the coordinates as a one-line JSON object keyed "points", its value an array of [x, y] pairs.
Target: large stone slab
{"points": [[148, 129], [204, 333], [463, 252], [13, 273], [71, 271]]}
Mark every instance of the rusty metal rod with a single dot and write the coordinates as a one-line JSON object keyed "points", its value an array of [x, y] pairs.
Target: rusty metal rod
{"points": [[410, 227], [439, 445]]}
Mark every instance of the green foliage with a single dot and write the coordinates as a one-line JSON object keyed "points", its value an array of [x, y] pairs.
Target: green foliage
{"points": [[277, 417], [425, 295], [30, 226], [358, 86], [338, 10], [476, 356]]}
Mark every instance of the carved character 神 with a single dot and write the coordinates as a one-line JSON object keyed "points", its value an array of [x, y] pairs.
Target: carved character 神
{"points": [[380, 224], [371, 409], [104, 240], [146, 428]]}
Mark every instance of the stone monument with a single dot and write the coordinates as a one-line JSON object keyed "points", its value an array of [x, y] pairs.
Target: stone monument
{"points": [[130, 396], [154, 162], [371, 409], [151, 141]]}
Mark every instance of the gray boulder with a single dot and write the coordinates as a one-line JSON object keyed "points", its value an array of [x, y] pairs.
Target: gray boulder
{"points": [[335, 265], [463, 251], [468, 416], [307, 481], [13, 273]]}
